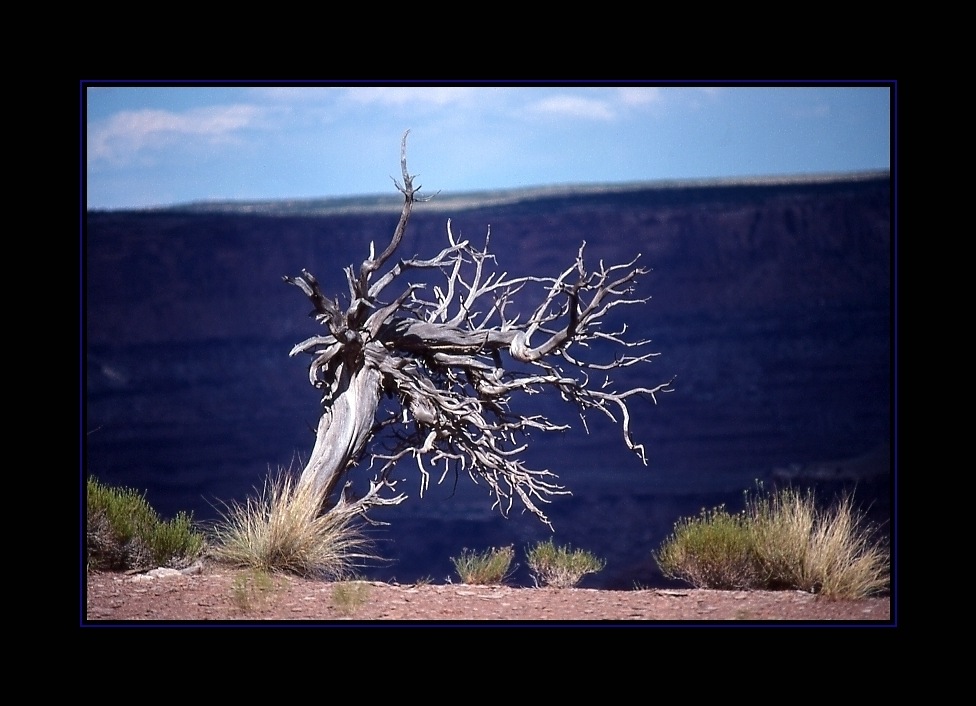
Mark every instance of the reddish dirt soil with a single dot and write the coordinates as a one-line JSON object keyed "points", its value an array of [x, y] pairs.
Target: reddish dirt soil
{"points": [[220, 594]]}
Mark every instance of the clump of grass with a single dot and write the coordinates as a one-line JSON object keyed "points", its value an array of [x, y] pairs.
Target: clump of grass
{"points": [[251, 588], [782, 541], [716, 549], [347, 596], [284, 530], [486, 568], [124, 532], [560, 567], [831, 552]]}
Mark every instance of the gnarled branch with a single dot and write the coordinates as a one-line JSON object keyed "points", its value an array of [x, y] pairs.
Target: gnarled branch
{"points": [[439, 354]]}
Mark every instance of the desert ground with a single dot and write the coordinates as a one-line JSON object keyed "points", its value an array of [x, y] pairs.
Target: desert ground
{"points": [[216, 594]]}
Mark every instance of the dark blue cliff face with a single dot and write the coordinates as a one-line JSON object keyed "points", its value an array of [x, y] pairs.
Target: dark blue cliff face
{"points": [[770, 305]]}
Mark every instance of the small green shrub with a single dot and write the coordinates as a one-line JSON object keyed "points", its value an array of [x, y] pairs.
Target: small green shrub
{"points": [[484, 568], [782, 541], [284, 530], [124, 532], [347, 596], [560, 567], [252, 588], [714, 550]]}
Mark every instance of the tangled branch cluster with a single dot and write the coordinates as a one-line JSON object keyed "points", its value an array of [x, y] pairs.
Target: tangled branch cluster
{"points": [[439, 352]]}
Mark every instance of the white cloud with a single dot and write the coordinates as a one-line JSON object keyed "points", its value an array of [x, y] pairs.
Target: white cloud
{"points": [[567, 106], [127, 135], [438, 96], [639, 96]]}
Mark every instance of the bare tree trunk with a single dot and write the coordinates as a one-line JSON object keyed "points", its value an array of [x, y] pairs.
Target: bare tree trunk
{"points": [[344, 427]]}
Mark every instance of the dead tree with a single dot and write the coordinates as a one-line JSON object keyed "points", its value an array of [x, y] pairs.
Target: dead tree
{"points": [[441, 355]]}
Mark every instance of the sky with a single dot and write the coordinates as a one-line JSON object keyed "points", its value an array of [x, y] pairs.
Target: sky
{"points": [[147, 145]]}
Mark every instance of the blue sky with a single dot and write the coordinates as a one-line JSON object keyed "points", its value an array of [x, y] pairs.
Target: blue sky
{"points": [[160, 145]]}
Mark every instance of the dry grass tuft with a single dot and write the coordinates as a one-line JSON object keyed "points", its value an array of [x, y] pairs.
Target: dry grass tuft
{"points": [[560, 567], [487, 568], [830, 552], [782, 541], [283, 530], [348, 596], [252, 589]]}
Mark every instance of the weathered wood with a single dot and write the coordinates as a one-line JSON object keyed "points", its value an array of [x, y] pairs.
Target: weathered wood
{"points": [[442, 362]]}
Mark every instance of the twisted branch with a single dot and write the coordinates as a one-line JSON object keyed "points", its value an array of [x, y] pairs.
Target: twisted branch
{"points": [[442, 360]]}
